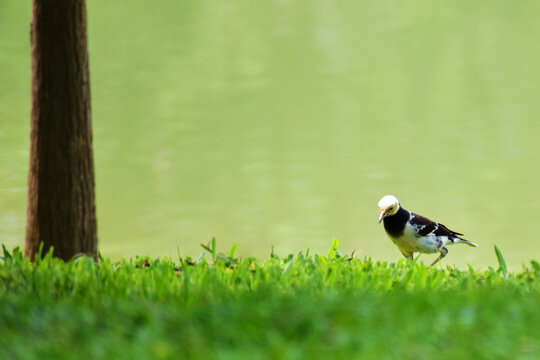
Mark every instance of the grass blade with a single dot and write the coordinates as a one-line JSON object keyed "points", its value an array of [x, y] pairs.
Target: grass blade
{"points": [[500, 259]]}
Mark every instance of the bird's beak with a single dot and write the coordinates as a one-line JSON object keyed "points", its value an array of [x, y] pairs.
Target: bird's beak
{"points": [[381, 216]]}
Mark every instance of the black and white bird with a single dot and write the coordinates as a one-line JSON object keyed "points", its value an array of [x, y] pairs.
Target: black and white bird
{"points": [[413, 233]]}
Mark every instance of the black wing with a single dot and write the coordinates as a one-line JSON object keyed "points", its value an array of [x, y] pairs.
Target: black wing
{"points": [[425, 226], [443, 230]]}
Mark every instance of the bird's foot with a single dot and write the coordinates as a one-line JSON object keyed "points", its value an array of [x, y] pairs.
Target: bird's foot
{"points": [[443, 252]]}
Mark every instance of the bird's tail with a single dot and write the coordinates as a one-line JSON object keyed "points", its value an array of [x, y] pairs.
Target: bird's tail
{"points": [[465, 241]]}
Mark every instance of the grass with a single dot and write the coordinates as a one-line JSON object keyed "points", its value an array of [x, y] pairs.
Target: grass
{"points": [[303, 306]]}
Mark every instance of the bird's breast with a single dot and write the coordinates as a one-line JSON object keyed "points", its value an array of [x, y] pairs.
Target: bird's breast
{"points": [[410, 240]]}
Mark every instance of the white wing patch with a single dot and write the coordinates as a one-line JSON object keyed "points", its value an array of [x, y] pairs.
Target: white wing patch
{"points": [[418, 228]]}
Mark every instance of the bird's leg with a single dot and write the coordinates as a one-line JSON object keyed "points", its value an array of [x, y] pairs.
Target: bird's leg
{"points": [[408, 255], [443, 252], [408, 260]]}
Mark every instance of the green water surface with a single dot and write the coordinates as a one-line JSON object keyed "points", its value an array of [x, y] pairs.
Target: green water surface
{"points": [[281, 123]]}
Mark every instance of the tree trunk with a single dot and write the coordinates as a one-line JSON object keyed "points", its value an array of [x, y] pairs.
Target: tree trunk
{"points": [[61, 205]]}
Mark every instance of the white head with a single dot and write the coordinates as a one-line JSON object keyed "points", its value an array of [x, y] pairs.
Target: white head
{"points": [[389, 205]]}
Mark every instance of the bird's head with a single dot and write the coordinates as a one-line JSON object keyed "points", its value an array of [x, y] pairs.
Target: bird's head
{"points": [[388, 205]]}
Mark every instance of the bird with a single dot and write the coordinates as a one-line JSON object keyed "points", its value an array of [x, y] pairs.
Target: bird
{"points": [[413, 233]]}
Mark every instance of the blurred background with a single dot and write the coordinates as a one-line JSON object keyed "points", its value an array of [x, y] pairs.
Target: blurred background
{"points": [[282, 123]]}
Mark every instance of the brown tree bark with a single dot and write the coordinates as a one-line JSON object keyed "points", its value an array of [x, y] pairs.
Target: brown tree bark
{"points": [[61, 204]]}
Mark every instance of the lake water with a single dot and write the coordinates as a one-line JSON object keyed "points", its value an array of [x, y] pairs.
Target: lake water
{"points": [[282, 123]]}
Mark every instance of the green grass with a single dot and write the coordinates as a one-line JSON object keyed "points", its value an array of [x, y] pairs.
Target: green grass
{"points": [[303, 306]]}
